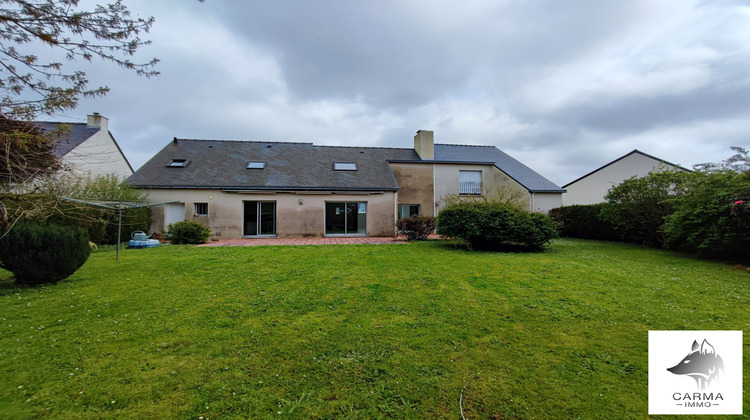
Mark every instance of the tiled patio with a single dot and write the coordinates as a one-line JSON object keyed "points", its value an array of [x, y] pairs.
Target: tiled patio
{"points": [[305, 241]]}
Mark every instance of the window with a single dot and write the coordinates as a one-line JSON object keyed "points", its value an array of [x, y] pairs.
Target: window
{"points": [[344, 166], [201, 209], [259, 218], [346, 218], [470, 182], [256, 165], [178, 163], [407, 210]]}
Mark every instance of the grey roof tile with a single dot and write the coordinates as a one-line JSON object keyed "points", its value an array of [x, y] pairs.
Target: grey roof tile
{"points": [[296, 166], [305, 166], [69, 139]]}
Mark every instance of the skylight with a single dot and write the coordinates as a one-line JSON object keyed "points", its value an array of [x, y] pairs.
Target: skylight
{"points": [[178, 163], [344, 166], [256, 165]]}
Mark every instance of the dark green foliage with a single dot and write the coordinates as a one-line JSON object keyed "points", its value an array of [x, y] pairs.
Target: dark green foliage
{"points": [[712, 218], [584, 221], [494, 226], [186, 232], [416, 228], [637, 207], [38, 254]]}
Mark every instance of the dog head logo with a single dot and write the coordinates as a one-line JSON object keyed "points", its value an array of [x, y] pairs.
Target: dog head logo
{"points": [[702, 364]]}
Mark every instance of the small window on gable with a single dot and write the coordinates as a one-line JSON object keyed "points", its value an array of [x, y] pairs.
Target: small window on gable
{"points": [[178, 163], [254, 164], [344, 166], [201, 209]]}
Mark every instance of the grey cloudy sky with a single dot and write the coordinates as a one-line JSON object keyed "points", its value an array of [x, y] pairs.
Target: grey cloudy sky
{"points": [[563, 86]]}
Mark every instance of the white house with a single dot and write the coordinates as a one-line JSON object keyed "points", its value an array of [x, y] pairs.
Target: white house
{"points": [[89, 149], [592, 187]]}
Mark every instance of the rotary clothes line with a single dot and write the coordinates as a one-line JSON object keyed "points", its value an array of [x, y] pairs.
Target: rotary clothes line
{"points": [[119, 206]]}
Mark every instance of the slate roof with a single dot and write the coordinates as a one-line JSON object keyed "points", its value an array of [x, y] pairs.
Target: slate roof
{"points": [[289, 166], [305, 166], [70, 139]]}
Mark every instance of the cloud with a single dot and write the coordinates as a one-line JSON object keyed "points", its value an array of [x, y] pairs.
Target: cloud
{"points": [[563, 86]]}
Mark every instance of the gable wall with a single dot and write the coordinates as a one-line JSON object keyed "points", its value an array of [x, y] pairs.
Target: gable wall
{"points": [[98, 155], [593, 188]]}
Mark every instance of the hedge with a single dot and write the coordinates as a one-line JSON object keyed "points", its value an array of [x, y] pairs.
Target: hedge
{"points": [[495, 226]]}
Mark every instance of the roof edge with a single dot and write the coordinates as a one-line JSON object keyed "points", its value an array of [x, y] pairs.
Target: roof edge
{"points": [[623, 157]]}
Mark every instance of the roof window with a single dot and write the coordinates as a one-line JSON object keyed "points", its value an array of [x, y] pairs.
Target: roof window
{"points": [[253, 164], [344, 166], [178, 163]]}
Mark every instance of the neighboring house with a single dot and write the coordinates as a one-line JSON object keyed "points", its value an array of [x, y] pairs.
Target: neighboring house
{"points": [[88, 149], [592, 187], [248, 189]]}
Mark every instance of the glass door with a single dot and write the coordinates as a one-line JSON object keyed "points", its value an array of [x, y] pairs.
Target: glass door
{"points": [[346, 218], [259, 218]]}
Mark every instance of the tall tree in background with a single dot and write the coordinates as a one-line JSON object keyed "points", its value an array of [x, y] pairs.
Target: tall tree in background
{"points": [[31, 85]]}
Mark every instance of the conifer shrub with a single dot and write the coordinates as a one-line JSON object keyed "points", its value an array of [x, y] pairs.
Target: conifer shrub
{"points": [[38, 254], [416, 228], [496, 226], [187, 232]]}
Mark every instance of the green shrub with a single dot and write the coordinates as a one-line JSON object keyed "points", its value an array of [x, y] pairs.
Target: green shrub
{"points": [[186, 232], [416, 228], [38, 254], [584, 221], [712, 218], [638, 206], [496, 226]]}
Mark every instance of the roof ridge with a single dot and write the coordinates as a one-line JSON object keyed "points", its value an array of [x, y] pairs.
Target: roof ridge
{"points": [[365, 147], [244, 141], [59, 122], [465, 145]]}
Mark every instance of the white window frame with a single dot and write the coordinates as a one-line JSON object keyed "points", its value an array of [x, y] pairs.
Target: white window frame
{"points": [[469, 182]]}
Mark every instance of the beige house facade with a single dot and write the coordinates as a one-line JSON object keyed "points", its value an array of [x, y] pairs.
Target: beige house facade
{"points": [[594, 186], [274, 189]]}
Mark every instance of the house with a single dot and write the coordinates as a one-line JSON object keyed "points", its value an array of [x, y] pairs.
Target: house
{"points": [[251, 188], [592, 187], [88, 149]]}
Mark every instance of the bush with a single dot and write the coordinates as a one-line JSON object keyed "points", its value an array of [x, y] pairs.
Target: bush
{"points": [[712, 218], [186, 232], [495, 226], [584, 221], [38, 254], [638, 206], [416, 228]]}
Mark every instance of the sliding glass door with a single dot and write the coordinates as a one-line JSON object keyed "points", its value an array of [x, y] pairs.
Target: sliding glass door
{"points": [[346, 218], [259, 218]]}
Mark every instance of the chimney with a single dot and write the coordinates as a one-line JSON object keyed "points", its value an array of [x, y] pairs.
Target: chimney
{"points": [[424, 144], [97, 121]]}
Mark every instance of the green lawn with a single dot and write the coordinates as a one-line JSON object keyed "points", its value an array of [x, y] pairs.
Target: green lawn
{"points": [[356, 331]]}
